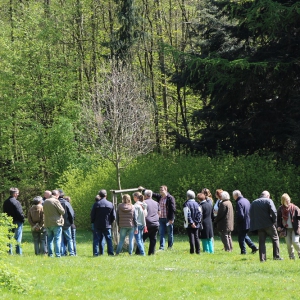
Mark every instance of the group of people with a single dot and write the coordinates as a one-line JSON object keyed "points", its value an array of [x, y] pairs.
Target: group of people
{"points": [[52, 222]]}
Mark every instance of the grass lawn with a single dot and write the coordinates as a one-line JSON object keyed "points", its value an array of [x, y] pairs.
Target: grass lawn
{"points": [[170, 274]]}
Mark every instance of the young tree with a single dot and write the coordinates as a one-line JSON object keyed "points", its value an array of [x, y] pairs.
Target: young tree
{"points": [[120, 118]]}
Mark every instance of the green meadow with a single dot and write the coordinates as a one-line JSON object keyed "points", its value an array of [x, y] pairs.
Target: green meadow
{"points": [[170, 274]]}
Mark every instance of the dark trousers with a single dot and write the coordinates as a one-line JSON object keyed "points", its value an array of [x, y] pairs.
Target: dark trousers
{"points": [[245, 239], [98, 238], [39, 241], [152, 235], [262, 236], [194, 240]]}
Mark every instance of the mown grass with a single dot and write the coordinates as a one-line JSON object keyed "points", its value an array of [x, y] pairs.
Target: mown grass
{"points": [[172, 274]]}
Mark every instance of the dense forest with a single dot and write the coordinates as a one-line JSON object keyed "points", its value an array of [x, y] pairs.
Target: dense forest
{"points": [[221, 76]]}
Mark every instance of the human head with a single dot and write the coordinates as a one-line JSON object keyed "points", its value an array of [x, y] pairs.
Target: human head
{"points": [[37, 200], [148, 194], [97, 198], [14, 192], [163, 190], [218, 193], [225, 196], [47, 194], [126, 198], [206, 192], [68, 198], [102, 193], [55, 194], [61, 193], [190, 194], [137, 196], [265, 194], [200, 197], [236, 194], [285, 199]]}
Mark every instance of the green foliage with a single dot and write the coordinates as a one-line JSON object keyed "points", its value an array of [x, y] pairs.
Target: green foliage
{"points": [[6, 226], [250, 174]]}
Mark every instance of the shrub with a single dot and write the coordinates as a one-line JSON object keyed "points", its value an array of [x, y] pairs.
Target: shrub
{"points": [[6, 226]]}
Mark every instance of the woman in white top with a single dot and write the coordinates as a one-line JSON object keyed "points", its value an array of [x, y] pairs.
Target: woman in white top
{"points": [[218, 202]]}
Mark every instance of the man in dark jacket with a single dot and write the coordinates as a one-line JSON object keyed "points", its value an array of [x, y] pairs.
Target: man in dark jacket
{"points": [[167, 215], [102, 216], [242, 209], [12, 207], [66, 238], [263, 216]]}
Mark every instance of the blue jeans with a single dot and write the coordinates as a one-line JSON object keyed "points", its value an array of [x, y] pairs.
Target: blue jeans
{"points": [[18, 237], [139, 239], [243, 237], [67, 240], [123, 232], [54, 234], [98, 237], [163, 228]]}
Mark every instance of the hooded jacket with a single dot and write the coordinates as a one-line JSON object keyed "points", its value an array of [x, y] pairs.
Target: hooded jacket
{"points": [[125, 215]]}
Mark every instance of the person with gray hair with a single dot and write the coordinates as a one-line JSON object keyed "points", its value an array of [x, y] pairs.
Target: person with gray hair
{"points": [[242, 209], [225, 221], [263, 217], [38, 231], [192, 221]]}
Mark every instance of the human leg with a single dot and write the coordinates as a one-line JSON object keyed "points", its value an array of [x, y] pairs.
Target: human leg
{"points": [[191, 239], [68, 237], [152, 233], [107, 234], [123, 233], [139, 240], [296, 244], [211, 245], [36, 244], [241, 238], [170, 229], [205, 246], [162, 231], [50, 235], [197, 243], [131, 236], [96, 242], [289, 242], [73, 234], [18, 237], [272, 233], [262, 235], [57, 230]]}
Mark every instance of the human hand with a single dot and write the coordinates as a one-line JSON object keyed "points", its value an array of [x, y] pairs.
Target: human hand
{"points": [[136, 232], [140, 188], [193, 225]]}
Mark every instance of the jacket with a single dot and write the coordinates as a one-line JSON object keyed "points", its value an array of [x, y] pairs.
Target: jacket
{"points": [[295, 220], [263, 214], [103, 214], [207, 220], [225, 216], [192, 213], [36, 215], [125, 215], [242, 213], [152, 219], [140, 214], [69, 214], [12, 207], [53, 212], [170, 205]]}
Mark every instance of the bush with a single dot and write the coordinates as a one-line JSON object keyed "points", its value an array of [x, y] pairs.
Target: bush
{"points": [[250, 174], [6, 234]]}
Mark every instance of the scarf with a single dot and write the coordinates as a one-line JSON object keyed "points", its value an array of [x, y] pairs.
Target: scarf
{"points": [[285, 213]]}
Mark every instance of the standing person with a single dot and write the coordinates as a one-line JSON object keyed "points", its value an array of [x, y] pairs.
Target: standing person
{"points": [[207, 233], [140, 214], [66, 229], [218, 202], [167, 208], [36, 220], [54, 220], [125, 221], [242, 209], [73, 229], [208, 196], [225, 221], [152, 221], [102, 216], [263, 217], [12, 207], [288, 217], [192, 220], [47, 195]]}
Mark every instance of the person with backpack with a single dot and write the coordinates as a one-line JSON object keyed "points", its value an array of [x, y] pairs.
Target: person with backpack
{"points": [[192, 221]]}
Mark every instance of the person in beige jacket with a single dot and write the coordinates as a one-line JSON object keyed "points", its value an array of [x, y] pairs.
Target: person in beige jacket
{"points": [[225, 221], [53, 212]]}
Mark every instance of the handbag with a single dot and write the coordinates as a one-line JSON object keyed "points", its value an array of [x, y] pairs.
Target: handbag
{"points": [[282, 233]]}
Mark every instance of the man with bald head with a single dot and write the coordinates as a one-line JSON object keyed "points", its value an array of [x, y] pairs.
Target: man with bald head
{"points": [[263, 217]]}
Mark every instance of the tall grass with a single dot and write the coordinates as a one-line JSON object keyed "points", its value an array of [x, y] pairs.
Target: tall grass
{"points": [[174, 274]]}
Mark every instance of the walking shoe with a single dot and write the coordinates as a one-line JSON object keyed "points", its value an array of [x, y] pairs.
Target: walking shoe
{"points": [[254, 250], [278, 258]]}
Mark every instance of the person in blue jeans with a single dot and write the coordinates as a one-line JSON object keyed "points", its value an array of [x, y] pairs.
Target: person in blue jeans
{"points": [[102, 216], [12, 207], [125, 222], [167, 215], [140, 214], [54, 220]]}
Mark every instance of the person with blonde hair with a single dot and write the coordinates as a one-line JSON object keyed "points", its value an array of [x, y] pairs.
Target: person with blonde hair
{"points": [[288, 216], [125, 221]]}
